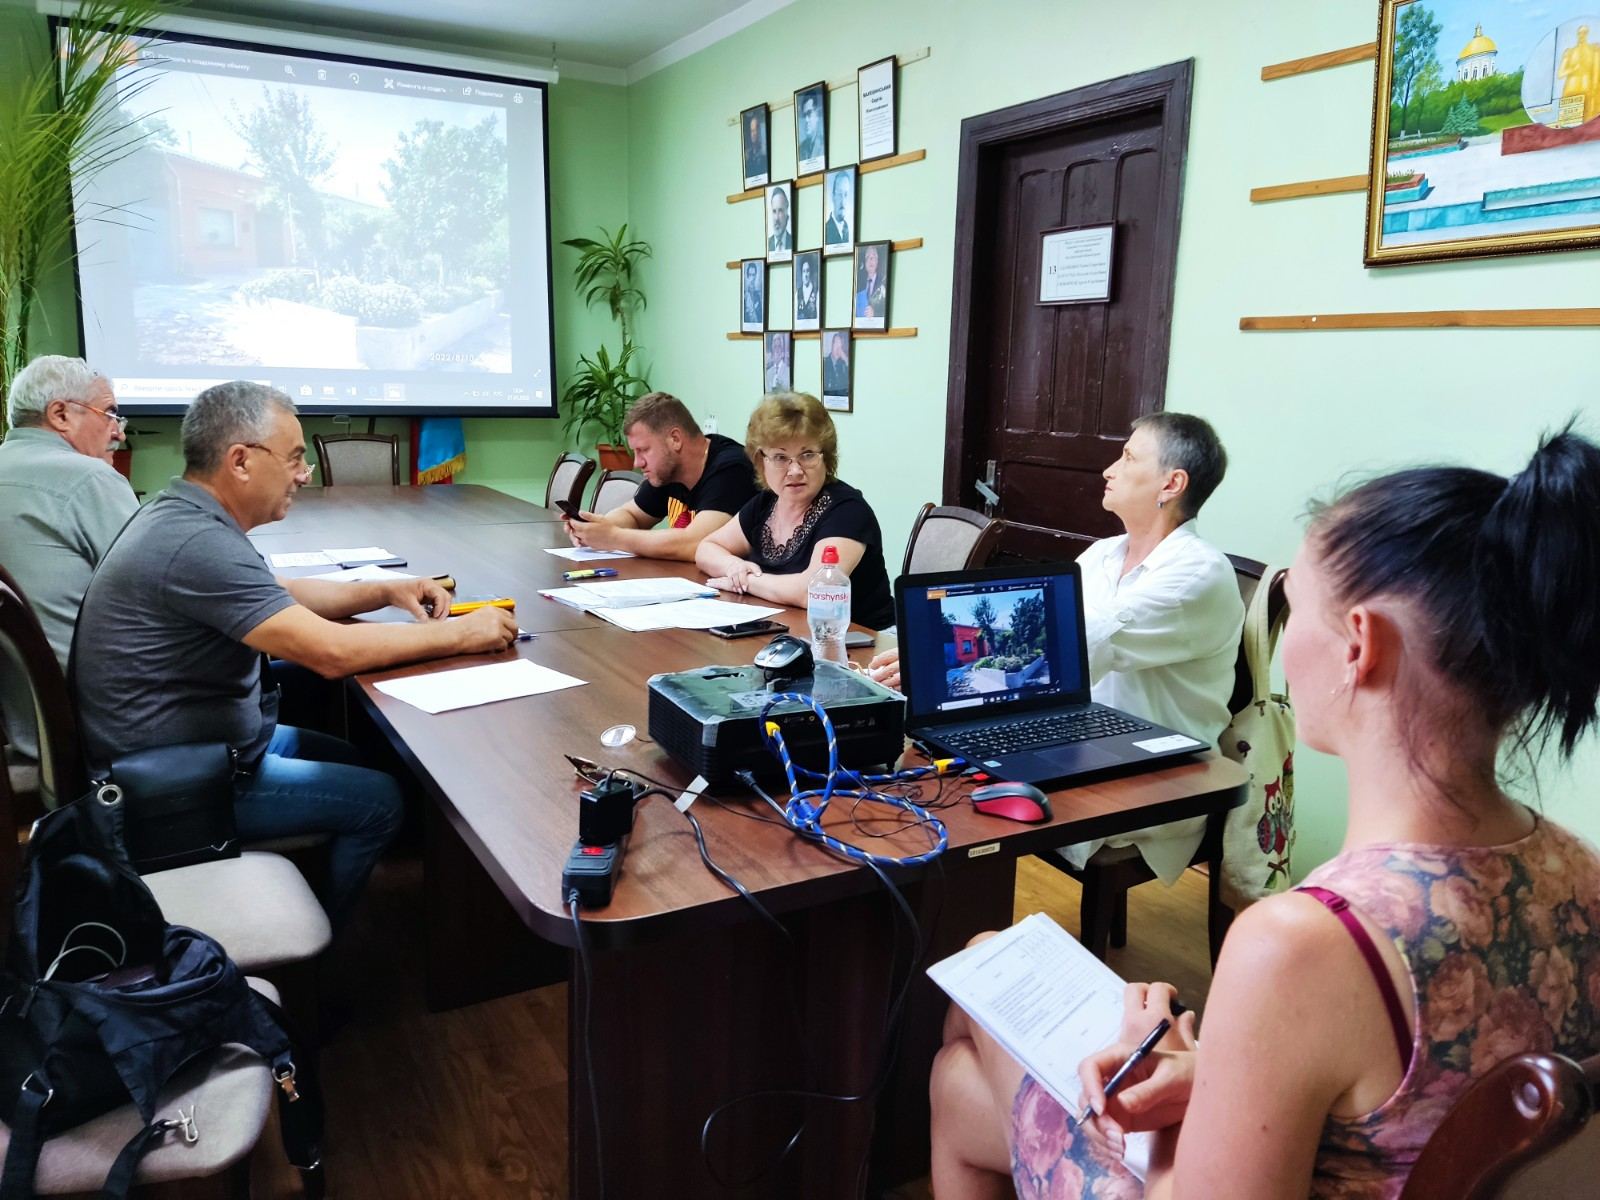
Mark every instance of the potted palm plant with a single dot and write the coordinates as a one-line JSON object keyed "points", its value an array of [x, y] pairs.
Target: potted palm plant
{"points": [[63, 115], [601, 388]]}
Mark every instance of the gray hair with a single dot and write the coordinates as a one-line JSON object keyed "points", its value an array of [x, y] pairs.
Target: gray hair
{"points": [[1185, 442], [228, 414], [48, 377]]}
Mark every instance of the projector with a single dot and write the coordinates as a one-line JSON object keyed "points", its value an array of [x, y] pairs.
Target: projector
{"points": [[709, 719]]}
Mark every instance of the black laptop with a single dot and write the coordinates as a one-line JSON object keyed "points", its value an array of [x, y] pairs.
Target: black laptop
{"points": [[995, 669]]}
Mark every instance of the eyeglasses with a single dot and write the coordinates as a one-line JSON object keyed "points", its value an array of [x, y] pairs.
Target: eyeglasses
{"points": [[296, 461], [110, 414], [806, 458]]}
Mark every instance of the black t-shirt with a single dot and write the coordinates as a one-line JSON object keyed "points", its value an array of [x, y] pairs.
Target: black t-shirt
{"points": [[725, 486], [839, 511]]}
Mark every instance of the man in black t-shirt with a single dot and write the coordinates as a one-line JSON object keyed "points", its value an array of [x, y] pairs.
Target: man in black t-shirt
{"points": [[693, 482]]}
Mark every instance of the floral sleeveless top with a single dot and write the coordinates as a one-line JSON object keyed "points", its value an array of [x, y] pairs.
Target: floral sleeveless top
{"points": [[1504, 958]]}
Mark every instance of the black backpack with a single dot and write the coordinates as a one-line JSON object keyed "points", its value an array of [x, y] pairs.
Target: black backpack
{"points": [[103, 1002]]}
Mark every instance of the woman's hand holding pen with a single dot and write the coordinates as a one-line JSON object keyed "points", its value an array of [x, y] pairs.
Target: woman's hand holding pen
{"points": [[1155, 1092]]}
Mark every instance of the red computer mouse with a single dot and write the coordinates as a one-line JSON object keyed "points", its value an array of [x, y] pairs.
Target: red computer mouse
{"points": [[1014, 801]]}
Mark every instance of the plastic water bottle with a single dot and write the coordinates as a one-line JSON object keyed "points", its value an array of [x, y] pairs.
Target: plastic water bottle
{"points": [[828, 608]]}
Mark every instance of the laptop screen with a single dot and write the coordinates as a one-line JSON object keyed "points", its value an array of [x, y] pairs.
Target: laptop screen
{"points": [[969, 640]]}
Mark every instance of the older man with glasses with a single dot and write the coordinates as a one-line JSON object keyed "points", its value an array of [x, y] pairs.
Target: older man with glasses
{"points": [[61, 503]]}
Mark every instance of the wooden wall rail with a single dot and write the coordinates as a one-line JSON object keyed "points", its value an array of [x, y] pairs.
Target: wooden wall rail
{"points": [[1483, 318], [1309, 187], [866, 168], [813, 334], [1320, 62], [904, 60], [908, 244]]}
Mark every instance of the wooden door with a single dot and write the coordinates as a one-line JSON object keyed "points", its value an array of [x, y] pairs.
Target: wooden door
{"points": [[1041, 396]]}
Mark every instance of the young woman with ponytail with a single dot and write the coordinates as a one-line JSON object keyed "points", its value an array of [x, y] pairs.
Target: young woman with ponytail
{"points": [[1442, 621]]}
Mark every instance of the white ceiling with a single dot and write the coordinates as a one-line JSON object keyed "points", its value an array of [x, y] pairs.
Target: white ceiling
{"points": [[629, 37]]}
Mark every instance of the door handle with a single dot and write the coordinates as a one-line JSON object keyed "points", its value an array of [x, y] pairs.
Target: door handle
{"points": [[986, 488]]}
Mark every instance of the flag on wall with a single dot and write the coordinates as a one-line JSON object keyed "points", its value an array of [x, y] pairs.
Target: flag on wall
{"points": [[438, 449]]}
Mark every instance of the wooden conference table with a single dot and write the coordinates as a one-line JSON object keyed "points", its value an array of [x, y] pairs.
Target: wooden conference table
{"points": [[693, 1000]]}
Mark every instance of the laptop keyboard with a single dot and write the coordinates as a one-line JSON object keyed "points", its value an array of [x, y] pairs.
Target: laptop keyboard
{"points": [[1058, 729]]}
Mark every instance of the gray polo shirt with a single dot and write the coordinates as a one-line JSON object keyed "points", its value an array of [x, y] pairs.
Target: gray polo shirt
{"points": [[162, 660], [59, 511]]}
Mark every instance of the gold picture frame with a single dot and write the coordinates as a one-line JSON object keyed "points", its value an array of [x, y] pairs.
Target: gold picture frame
{"points": [[1461, 164]]}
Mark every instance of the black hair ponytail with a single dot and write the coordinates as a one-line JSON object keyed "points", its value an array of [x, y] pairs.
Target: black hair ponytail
{"points": [[1539, 566], [1505, 572]]}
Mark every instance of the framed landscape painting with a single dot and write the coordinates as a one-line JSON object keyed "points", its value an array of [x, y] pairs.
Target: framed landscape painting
{"points": [[1485, 131]]}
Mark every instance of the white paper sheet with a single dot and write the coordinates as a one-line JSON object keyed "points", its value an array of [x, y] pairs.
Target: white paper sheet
{"points": [[362, 575], [1038, 992], [300, 558], [444, 691], [584, 553], [358, 554], [684, 614], [631, 593]]}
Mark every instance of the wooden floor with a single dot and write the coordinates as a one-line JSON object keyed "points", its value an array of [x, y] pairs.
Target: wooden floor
{"points": [[472, 1103]]}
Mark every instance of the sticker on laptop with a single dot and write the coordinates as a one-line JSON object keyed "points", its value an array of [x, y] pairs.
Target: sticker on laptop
{"points": [[1161, 745]]}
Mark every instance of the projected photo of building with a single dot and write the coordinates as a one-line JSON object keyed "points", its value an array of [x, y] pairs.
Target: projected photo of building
{"points": [[318, 228]]}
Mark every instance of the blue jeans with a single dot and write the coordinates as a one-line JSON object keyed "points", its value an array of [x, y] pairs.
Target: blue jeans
{"points": [[309, 783]]}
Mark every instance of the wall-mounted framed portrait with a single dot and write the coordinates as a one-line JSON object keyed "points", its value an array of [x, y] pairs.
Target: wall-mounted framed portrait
{"points": [[752, 295], [869, 308], [777, 354], [839, 210], [808, 290], [811, 129], [837, 393], [780, 221], [876, 110], [755, 146]]}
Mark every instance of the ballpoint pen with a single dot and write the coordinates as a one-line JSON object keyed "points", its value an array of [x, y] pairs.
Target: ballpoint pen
{"points": [[589, 573], [1140, 1052]]}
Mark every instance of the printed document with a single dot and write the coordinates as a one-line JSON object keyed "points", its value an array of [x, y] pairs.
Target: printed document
{"points": [[1037, 991], [630, 593], [685, 614]]}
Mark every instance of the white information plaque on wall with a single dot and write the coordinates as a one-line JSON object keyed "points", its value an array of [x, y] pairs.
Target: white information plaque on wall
{"points": [[1075, 265]]}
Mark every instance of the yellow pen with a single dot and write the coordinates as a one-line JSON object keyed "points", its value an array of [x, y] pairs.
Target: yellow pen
{"points": [[462, 607]]}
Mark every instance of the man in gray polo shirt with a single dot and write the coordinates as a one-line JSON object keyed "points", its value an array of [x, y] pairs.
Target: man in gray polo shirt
{"points": [[193, 608], [61, 504]]}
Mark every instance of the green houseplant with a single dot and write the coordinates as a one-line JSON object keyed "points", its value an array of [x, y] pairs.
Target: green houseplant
{"points": [[601, 389], [58, 118]]}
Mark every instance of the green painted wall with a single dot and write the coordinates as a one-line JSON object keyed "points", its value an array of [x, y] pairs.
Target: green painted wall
{"points": [[1297, 411]]}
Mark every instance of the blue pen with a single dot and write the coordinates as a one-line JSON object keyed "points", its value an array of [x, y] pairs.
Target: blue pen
{"points": [[589, 573]]}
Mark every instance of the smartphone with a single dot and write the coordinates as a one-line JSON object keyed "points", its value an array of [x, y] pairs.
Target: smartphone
{"points": [[571, 510], [748, 629], [855, 638]]}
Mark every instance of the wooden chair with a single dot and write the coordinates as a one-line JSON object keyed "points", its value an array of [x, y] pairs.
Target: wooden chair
{"points": [[258, 905], [1524, 1129], [950, 539], [355, 458], [614, 489], [232, 1085], [567, 479], [1112, 870]]}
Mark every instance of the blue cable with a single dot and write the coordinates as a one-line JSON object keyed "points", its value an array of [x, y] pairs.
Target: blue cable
{"points": [[806, 806]]}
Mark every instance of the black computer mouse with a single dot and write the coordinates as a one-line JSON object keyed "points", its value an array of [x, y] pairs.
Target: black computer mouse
{"points": [[1016, 801], [785, 656]]}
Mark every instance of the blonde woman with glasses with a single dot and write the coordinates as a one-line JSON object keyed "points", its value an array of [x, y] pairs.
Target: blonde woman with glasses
{"points": [[774, 545]]}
